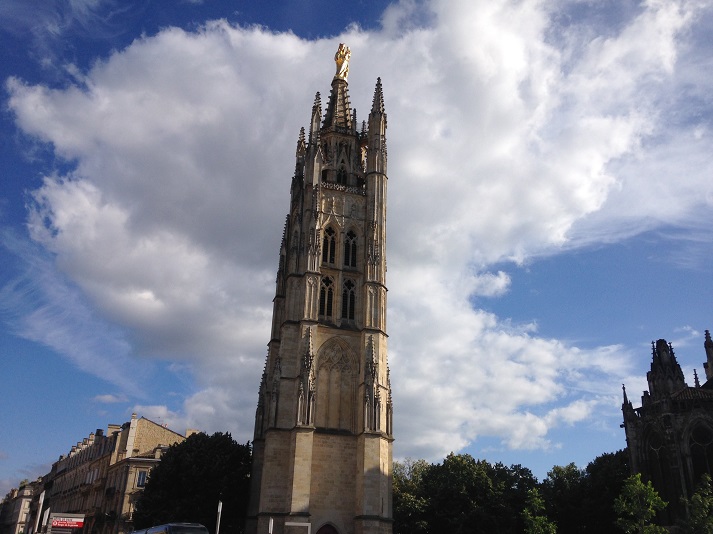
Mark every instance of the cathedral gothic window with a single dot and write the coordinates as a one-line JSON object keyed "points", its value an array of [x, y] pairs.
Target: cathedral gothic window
{"points": [[329, 245], [659, 462], [701, 443], [348, 300], [326, 297], [350, 249], [342, 176]]}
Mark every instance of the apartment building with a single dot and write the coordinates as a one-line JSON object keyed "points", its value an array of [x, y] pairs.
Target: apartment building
{"points": [[100, 478]]}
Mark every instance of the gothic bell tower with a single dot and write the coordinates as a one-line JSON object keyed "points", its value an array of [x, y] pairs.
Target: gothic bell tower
{"points": [[322, 455]]}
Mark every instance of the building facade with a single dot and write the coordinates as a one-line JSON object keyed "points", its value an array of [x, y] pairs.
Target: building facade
{"points": [[670, 437], [15, 509], [102, 477], [322, 447]]}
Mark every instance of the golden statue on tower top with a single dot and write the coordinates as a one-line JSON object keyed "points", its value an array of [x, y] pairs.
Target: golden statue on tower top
{"points": [[342, 59]]}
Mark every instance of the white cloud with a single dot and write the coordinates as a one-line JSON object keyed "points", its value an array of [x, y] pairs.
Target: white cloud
{"points": [[508, 137]]}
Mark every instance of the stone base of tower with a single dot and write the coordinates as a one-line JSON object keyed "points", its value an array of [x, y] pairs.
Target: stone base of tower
{"points": [[280, 524], [322, 479], [301, 524], [372, 526]]}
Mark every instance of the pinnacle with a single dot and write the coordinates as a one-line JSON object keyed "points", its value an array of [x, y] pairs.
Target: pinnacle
{"points": [[377, 105], [301, 143], [338, 113]]}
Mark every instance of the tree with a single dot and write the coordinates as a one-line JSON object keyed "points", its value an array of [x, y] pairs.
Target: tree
{"points": [[637, 505], [459, 491], [409, 500], [511, 486], [563, 492], [468, 495], [700, 508], [603, 480], [190, 480], [535, 520], [461, 494]]}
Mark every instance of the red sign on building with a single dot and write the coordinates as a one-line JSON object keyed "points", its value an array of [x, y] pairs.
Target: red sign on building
{"points": [[74, 521]]}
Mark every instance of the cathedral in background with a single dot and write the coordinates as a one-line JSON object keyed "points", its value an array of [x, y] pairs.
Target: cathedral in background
{"points": [[670, 437]]}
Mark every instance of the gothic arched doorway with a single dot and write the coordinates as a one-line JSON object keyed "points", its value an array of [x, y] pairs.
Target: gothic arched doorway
{"points": [[327, 529]]}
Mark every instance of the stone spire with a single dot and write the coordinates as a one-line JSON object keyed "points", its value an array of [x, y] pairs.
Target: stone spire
{"points": [[376, 154], [315, 120], [377, 105], [665, 376], [626, 407], [708, 366], [338, 115]]}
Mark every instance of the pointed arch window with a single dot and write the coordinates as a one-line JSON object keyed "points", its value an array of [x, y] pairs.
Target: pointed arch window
{"points": [[350, 249], [701, 444], [348, 300], [342, 176], [659, 464], [326, 297], [329, 245]]}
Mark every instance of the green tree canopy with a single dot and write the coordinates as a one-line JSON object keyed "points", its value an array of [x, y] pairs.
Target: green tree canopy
{"points": [[563, 491], [190, 480], [700, 508], [604, 477], [536, 522], [410, 502], [637, 505], [461, 494]]}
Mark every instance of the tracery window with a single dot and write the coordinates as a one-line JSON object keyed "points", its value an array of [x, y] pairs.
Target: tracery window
{"points": [[326, 297], [659, 464], [342, 176], [329, 245], [350, 249], [701, 444], [348, 300]]}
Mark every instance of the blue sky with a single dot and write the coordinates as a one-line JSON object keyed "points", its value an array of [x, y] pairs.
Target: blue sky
{"points": [[550, 211]]}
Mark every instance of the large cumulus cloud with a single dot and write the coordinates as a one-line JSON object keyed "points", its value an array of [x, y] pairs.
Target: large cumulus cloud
{"points": [[515, 130]]}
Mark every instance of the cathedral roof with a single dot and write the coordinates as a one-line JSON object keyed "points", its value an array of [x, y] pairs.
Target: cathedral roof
{"points": [[693, 394]]}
